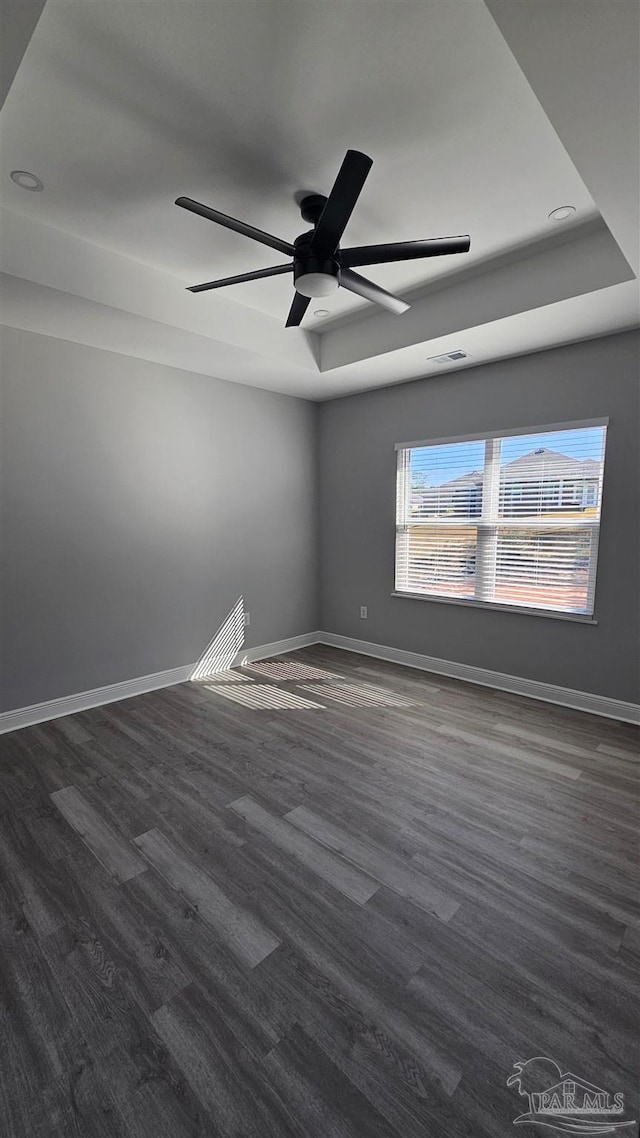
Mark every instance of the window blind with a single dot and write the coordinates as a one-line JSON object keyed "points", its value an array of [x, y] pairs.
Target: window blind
{"points": [[511, 520]]}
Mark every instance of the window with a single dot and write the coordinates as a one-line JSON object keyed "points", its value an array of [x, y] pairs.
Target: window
{"points": [[509, 520]]}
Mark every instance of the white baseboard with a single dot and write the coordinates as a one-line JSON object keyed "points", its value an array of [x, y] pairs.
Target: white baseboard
{"points": [[261, 652], [277, 648], [82, 701], [534, 689]]}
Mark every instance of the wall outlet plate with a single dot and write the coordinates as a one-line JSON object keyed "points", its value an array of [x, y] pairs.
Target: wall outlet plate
{"points": [[247, 618], [363, 612]]}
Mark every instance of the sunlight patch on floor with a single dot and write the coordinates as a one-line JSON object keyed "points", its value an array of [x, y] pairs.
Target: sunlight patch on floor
{"points": [[358, 695], [265, 696], [226, 677], [290, 670]]}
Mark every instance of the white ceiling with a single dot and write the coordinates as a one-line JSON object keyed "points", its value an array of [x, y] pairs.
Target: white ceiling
{"points": [[120, 107]]}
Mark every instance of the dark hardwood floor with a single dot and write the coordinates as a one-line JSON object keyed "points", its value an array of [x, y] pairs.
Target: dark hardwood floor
{"points": [[319, 897]]}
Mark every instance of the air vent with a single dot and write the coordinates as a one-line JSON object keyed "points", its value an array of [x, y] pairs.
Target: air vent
{"points": [[449, 358]]}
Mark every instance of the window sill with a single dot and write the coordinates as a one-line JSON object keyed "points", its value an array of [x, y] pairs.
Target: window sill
{"points": [[468, 602]]}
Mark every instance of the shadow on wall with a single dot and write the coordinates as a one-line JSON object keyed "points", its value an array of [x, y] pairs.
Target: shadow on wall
{"points": [[222, 650]]}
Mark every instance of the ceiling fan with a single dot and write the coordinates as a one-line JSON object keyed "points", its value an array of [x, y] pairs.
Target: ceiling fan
{"points": [[319, 265]]}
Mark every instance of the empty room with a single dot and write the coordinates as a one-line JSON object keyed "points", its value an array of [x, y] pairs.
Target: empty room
{"points": [[319, 549]]}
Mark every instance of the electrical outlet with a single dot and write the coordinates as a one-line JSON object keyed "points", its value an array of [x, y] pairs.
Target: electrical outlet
{"points": [[363, 612], [247, 618]]}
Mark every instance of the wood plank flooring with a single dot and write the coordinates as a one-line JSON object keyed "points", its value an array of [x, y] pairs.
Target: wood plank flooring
{"points": [[318, 897]]}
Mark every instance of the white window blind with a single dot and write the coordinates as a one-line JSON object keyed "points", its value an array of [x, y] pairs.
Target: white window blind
{"points": [[507, 521]]}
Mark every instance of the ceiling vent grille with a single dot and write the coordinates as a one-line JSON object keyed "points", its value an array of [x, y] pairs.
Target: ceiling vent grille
{"points": [[449, 357]]}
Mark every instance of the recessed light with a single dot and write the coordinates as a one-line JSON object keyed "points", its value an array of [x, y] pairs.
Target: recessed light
{"points": [[321, 312], [26, 181], [562, 212]]}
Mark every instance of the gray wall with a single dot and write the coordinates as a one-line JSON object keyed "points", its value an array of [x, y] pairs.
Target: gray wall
{"points": [[357, 509], [139, 502]]}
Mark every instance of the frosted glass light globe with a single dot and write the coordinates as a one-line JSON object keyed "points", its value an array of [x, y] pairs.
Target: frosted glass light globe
{"points": [[316, 284]]}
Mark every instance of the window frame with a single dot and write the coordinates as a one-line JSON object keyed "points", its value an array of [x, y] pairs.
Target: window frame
{"points": [[475, 522]]}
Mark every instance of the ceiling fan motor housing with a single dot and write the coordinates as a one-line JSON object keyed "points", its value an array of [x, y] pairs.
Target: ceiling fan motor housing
{"points": [[318, 273]]}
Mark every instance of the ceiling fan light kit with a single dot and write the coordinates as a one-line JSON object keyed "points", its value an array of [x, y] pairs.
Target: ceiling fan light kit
{"points": [[318, 263], [313, 284]]}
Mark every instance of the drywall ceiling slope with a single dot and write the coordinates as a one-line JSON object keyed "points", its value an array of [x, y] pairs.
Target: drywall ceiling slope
{"points": [[581, 58], [520, 334], [52, 312], [17, 22], [587, 260], [48, 256], [245, 104]]}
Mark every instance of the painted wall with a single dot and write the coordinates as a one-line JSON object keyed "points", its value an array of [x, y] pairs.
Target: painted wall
{"points": [[357, 512], [138, 503]]}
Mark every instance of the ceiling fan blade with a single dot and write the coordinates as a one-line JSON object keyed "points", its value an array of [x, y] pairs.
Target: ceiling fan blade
{"points": [[339, 205], [237, 226], [370, 291], [297, 310], [274, 271], [403, 251]]}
